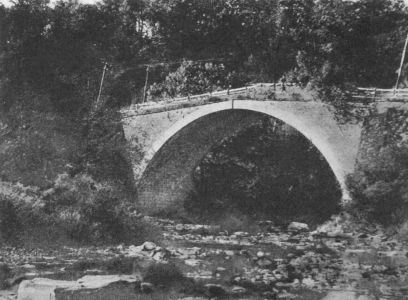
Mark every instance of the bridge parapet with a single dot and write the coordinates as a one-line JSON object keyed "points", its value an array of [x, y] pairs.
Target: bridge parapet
{"points": [[380, 95], [259, 92]]}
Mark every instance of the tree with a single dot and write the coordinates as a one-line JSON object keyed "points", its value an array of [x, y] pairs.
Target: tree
{"points": [[241, 32], [348, 42], [195, 78]]}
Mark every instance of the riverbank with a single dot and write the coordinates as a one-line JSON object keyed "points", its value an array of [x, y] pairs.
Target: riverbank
{"points": [[341, 257]]}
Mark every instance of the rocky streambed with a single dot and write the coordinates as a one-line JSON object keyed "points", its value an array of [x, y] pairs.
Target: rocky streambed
{"points": [[342, 259]]}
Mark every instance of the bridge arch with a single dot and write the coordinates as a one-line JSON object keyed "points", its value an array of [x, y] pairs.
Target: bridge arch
{"points": [[177, 150]]}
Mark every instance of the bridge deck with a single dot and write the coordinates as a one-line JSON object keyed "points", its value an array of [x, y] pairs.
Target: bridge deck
{"points": [[261, 92]]}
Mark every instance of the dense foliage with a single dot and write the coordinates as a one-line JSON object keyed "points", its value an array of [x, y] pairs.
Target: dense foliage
{"points": [[76, 209], [196, 78], [380, 191], [59, 51]]}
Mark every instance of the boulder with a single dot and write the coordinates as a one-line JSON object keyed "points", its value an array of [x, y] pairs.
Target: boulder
{"points": [[88, 287], [149, 246], [41, 288]]}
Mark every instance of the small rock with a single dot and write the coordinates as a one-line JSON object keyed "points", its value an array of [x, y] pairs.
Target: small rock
{"points": [[192, 262], [297, 226], [236, 279], [238, 290], [308, 282], [146, 287], [135, 250], [264, 263], [149, 246], [159, 256], [27, 267], [296, 282], [260, 254], [241, 234], [179, 227]]}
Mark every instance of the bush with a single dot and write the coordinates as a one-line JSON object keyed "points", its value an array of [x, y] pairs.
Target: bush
{"points": [[77, 209], [9, 220], [105, 157], [5, 273], [22, 219], [379, 187], [192, 78], [91, 211]]}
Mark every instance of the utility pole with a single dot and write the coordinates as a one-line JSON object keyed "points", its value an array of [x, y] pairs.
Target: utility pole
{"points": [[105, 67], [402, 63], [145, 86]]}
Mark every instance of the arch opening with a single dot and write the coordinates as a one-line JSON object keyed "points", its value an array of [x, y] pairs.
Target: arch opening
{"points": [[267, 171], [168, 179]]}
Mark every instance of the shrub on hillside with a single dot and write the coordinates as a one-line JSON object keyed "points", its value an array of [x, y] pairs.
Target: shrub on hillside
{"points": [[379, 187], [18, 216], [105, 157], [92, 211], [9, 221]]}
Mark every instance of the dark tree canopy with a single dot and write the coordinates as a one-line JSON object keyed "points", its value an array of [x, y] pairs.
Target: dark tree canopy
{"points": [[60, 50]]}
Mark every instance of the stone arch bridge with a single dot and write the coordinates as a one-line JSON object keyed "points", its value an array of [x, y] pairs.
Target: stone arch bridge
{"points": [[168, 139]]}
